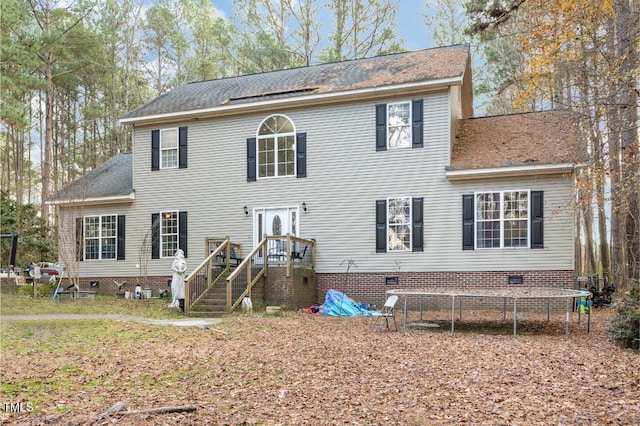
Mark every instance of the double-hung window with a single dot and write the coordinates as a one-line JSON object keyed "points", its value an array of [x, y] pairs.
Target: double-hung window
{"points": [[399, 224], [399, 125], [100, 237], [169, 233], [168, 148], [502, 219]]}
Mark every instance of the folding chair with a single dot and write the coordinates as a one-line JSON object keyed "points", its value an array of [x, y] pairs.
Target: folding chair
{"points": [[388, 311], [278, 251]]}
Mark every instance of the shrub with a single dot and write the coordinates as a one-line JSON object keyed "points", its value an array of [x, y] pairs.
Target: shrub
{"points": [[625, 324]]}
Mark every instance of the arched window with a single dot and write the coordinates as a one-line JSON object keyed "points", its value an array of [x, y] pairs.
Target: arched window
{"points": [[276, 147]]}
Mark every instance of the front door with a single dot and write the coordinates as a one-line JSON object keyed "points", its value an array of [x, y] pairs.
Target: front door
{"points": [[274, 221]]}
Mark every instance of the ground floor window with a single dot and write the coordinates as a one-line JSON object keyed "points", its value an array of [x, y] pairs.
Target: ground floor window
{"points": [[399, 224], [169, 233], [100, 237], [502, 219]]}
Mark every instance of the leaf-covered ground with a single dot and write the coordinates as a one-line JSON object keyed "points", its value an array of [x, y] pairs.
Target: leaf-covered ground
{"points": [[303, 369], [102, 304]]}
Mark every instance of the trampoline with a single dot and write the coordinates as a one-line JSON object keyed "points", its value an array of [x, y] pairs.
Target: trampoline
{"points": [[512, 293]]}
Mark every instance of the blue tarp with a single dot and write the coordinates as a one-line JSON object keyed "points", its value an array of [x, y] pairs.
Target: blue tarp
{"points": [[339, 304]]}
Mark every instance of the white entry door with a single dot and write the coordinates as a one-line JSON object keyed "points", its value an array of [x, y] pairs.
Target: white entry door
{"points": [[274, 221], [277, 222]]}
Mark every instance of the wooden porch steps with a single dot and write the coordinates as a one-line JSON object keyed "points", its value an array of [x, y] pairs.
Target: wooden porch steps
{"points": [[212, 304]]}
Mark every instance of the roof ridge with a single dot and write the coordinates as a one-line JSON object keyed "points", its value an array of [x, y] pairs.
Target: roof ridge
{"points": [[326, 64], [400, 68]]}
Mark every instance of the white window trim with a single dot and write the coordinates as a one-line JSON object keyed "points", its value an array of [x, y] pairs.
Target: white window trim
{"points": [[475, 220], [177, 148], [410, 224], [389, 105], [99, 237], [276, 136], [163, 234]]}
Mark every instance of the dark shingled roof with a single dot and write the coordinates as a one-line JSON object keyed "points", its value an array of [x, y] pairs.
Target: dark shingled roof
{"points": [[112, 178], [538, 138], [401, 68]]}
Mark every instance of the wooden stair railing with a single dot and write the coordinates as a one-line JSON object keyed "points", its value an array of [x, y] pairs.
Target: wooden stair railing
{"points": [[287, 251], [241, 281], [192, 292], [237, 287], [298, 252]]}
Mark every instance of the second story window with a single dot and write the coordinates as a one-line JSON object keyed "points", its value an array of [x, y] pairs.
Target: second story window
{"points": [[399, 122], [276, 147], [169, 149], [400, 125]]}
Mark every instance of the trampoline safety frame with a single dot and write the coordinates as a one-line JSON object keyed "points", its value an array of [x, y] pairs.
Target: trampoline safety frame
{"points": [[504, 293]]}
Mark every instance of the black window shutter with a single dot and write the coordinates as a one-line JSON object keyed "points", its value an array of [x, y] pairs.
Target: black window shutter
{"points": [[381, 226], [381, 127], [182, 232], [417, 224], [79, 239], [182, 147], [155, 150], [155, 235], [251, 159], [416, 126], [537, 219], [301, 155], [467, 222], [121, 238]]}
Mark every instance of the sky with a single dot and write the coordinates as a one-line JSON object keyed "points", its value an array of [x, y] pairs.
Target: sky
{"points": [[411, 25]]}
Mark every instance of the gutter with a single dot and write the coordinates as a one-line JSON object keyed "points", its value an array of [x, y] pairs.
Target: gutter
{"points": [[547, 169], [114, 199]]}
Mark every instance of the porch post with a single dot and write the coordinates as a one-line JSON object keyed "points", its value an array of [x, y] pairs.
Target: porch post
{"points": [[187, 298], [288, 259], [228, 296]]}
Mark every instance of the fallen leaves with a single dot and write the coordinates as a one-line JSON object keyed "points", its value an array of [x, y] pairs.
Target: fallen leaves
{"points": [[301, 369]]}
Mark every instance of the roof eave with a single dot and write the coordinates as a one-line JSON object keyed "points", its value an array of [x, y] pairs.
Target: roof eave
{"points": [[113, 199], [513, 171], [312, 99]]}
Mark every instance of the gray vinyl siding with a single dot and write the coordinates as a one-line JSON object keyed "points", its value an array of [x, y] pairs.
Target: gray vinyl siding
{"points": [[445, 243], [95, 268], [345, 177]]}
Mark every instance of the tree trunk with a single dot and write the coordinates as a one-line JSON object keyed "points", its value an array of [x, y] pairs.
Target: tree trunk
{"points": [[48, 137], [590, 260], [626, 24]]}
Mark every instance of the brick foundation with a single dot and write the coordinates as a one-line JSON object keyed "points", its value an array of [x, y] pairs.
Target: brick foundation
{"points": [[107, 285], [371, 287], [296, 292]]}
